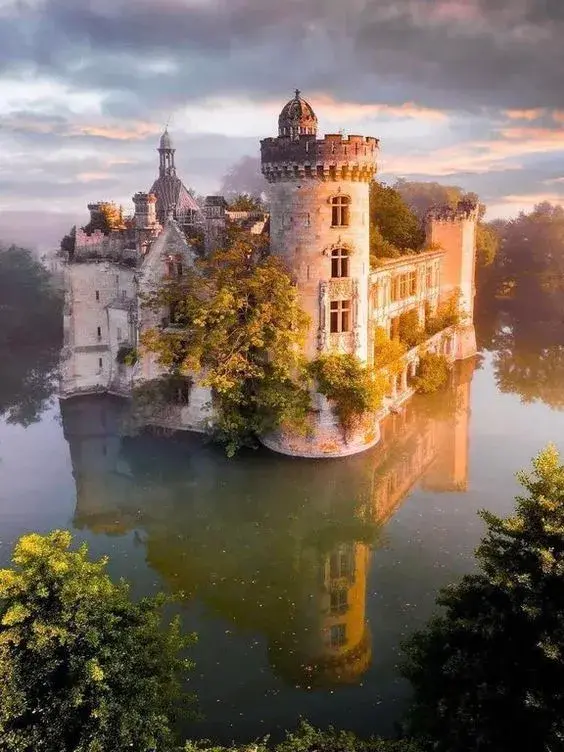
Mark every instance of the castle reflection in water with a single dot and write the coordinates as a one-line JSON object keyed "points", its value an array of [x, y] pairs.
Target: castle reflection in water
{"points": [[277, 546]]}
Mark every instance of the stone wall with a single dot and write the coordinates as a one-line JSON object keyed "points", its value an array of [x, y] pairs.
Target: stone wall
{"points": [[301, 234]]}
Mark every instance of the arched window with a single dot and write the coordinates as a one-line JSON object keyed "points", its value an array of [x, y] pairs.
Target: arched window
{"points": [[340, 211], [339, 262]]}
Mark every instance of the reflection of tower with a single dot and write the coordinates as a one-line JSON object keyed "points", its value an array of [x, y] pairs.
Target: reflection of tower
{"points": [[93, 428], [328, 642], [449, 471]]}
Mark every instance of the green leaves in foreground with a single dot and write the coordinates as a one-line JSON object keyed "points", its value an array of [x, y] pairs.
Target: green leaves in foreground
{"points": [[82, 667], [488, 674]]}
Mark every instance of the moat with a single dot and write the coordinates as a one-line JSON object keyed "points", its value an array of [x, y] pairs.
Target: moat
{"points": [[300, 577]]}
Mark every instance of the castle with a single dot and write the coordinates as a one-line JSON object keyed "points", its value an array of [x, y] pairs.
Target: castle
{"points": [[318, 223]]}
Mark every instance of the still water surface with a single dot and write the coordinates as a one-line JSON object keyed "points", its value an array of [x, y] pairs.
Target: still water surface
{"points": [[301, 578]]}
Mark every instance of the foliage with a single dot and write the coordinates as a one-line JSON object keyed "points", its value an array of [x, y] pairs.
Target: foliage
{"points": [[245, 202], [352, 387], [433, 373], [108, 217], [446, 315], [127, 355], [240, 326], [82, 667], [396, 224], [487, 244], [388, 353], [309, 739], [68, 243], [31, 335], [488, 673], [410, 330]]}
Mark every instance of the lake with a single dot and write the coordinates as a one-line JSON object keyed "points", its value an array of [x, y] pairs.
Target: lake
{"points": [[300, 577]]}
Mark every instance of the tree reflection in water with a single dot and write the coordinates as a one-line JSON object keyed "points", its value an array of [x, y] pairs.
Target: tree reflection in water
{"points": [[278, 546]]}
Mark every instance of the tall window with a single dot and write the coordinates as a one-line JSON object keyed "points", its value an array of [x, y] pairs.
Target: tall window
{"points": [[338, 635], [339, 601], [340, 316], [340, 211], [339, 262]]}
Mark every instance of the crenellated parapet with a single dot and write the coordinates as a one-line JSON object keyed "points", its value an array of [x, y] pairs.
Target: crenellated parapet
{"points": [[335, 158], [462, 211]]}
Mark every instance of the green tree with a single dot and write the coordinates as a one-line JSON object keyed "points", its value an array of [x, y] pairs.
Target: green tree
{"points": [[31, 335], [238, 324], [396, 223], [488, 674], [82, 667], [245, 202]]}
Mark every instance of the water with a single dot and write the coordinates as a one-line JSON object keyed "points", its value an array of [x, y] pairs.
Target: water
{"points": [[258, 543]]}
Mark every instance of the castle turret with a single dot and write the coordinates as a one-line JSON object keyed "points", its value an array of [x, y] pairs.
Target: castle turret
{"points": [[319, 224], [145, 211], [454, 230]]}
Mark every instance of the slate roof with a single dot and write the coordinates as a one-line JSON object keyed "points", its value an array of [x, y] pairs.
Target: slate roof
{"points": [[172, 194]]}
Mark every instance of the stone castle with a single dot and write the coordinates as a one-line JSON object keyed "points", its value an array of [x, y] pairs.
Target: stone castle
{"points": [[318, 223]]}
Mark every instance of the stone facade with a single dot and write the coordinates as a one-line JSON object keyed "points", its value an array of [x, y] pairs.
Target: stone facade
{"points": [[319, 225]]}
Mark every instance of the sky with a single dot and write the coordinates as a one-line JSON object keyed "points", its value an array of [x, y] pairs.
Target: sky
{"points": [[463, 92]]}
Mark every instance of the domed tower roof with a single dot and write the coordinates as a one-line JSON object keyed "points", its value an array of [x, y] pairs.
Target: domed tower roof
{"points": [[297, 118], [166, 141]]}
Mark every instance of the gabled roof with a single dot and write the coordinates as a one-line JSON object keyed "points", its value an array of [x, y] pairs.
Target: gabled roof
{"points": [[172, 195]]}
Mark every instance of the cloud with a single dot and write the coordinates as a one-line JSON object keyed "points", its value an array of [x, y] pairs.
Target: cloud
{"points": [[465, 90]]}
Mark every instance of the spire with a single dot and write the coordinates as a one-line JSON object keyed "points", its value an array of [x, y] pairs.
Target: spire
{"points": [[166, 154]]}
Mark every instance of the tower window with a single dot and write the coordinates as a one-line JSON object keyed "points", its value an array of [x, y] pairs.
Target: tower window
{"points": [[97, 294], [99, 332], [340, 316], [339, 602], [100, 363], [339, 263], [340, 211], [338, 635]]}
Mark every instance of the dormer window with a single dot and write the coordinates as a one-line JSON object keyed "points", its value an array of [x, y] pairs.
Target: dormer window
{"points": [[339, 263], [340, 211]]}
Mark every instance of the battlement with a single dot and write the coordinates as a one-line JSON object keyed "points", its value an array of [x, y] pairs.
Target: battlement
{"points": [[335, 157], [144, 198], [462, 211]]}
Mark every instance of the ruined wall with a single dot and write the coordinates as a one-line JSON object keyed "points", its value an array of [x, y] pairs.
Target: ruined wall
{"points": [[91, 289]]}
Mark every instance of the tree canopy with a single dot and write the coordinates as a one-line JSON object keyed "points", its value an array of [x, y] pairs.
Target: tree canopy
{"points": [[238, 324], [31, 334], [488, 673], [394, 228], [82, 667]]}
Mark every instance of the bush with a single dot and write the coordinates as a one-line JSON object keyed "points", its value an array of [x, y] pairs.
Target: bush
{"points": [[447, 314], [127, 355], [309, 739], [82, 667], [410, 330], [352, 387], [388, 353], [433, 374]]}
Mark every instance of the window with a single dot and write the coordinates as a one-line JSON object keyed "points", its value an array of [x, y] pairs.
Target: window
{"points": [[99, 332], [412, 277], [338, 635], [339, 601], [339, 263], [119, 334], [117, 279], [340, 316], [97, 294], [429, 277], [404, 286], [123, 294], [340, 564], [340, 211], [100, 363]]}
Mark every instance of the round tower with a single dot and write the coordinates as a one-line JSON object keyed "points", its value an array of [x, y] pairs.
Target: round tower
{"points": [[319, 224]]}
